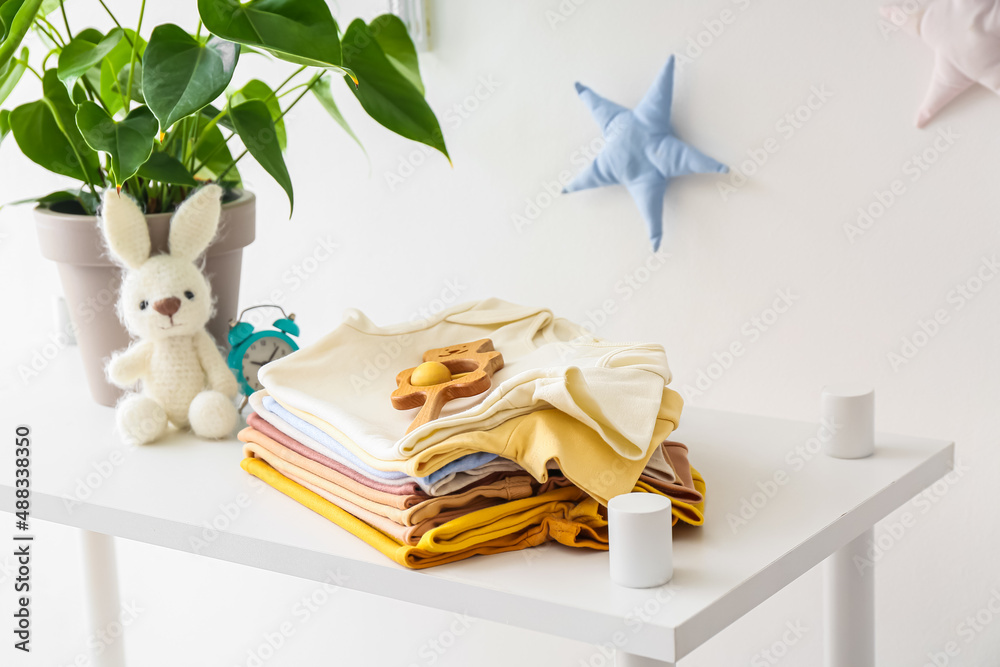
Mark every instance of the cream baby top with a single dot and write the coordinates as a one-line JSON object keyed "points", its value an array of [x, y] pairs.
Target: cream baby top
{"points": [[342, 384]]}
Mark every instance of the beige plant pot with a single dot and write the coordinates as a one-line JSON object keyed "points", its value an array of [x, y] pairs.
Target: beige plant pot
{"points": [[90, 279]]}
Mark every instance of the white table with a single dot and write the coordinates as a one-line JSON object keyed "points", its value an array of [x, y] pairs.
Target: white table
{"points": [[170, 493]]}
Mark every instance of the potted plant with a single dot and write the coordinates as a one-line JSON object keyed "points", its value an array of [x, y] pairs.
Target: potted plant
{"points": [[154, 114]]}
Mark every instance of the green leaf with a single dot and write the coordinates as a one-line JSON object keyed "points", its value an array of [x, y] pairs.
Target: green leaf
{"points": [[213, 151], [255, 89], [166, 169], [211, 111], [4, 124], [255, 127], [386, 94], [11, 73], [180, 75], [64, 111], [129, 142], [324, 94], [391, 34], [87, 49], [116, 61], [86, 200], [299, 31], [121, 86], [42, 141], [16, 17], [51, 198], [49, 6]]}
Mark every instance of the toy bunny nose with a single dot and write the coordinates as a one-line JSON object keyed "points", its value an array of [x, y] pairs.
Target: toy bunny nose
{"points": [[167, 306]]}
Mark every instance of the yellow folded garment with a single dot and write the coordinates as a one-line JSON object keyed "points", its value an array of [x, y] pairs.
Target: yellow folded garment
{"points": [[342, 383], [533, 439], [564, 514]]}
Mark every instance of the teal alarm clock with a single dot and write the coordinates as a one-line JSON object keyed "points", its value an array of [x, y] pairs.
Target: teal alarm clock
{"points": [[252, 350]]}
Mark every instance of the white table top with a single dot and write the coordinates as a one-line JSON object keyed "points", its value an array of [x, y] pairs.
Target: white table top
{"points": [[172, 492]]}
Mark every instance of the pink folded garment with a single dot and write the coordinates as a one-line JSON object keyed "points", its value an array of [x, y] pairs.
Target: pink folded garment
{"points": [[404, 510], [265, 427], [440, 486]]}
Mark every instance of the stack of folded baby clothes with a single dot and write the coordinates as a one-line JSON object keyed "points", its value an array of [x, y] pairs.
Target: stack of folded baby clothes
{"points": [[569, 422]]}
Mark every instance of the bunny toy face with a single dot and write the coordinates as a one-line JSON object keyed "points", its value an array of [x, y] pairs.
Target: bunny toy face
{"points": [[165, 295]]}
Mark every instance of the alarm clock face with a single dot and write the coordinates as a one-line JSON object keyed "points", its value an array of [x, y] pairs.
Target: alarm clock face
{"points": [[262, 351]]}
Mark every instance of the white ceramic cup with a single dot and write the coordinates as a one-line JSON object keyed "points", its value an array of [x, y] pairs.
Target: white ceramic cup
{"points": [[640, 536], [849, 412]]}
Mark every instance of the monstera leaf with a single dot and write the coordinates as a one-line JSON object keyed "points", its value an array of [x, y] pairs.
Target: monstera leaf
{"points": [[16, 17], [42, 141], [386, 93], [84, 51], [180, 75], [166, 169], [392, 36], [213, 154], [255, 89], [4, 125], [129, 142], [115, 66], [11, 73], [253, 122], [325, 96], [299, 31], [64, 111]]}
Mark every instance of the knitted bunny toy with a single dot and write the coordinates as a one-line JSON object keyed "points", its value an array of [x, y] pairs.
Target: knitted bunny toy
{"points": [[165, 303]]}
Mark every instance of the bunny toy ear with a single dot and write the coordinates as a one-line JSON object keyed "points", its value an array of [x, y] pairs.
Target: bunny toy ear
{"points": [[194, 224], [125, 229]]}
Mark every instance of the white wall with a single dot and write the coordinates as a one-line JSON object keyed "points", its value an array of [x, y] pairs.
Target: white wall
{"points": [[402, 245]]}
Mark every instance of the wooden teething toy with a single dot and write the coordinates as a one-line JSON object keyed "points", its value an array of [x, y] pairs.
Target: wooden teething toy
{"points": [[447, 373]]}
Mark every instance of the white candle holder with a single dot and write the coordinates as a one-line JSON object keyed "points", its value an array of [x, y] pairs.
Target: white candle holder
{"points": [[849, 412], [640, 536]]}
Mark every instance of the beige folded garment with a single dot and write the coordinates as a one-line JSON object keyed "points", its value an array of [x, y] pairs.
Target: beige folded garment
{"points": [[403, 510]]}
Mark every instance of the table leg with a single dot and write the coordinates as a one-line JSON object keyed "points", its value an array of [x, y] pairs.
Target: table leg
{"points": [[850, 605], [623, 659], [103, 606]]}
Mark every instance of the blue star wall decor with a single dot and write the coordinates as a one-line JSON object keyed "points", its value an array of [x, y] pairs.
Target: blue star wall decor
{"points": [[641, 150]]}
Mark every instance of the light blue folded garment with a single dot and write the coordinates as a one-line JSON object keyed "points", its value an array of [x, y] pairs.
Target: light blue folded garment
{"points": [[467, 462]]}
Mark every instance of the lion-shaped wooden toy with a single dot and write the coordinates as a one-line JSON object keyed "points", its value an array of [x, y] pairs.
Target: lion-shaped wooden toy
{"points": [[456, 371]]}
